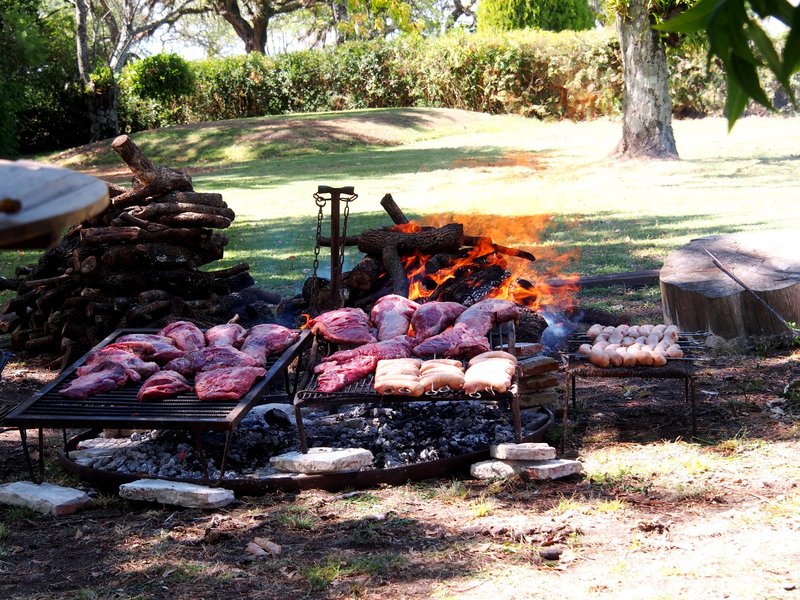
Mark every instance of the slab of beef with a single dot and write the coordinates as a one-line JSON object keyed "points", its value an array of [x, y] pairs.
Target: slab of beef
{"points": [[164, 384], [187, 336], [229, 383], [136, 367], [392, 315], [434, 317], [483, 315], [149, 346], [230, 334], [266, 340], [110, 378], [343, 326], [207, 359], [458, 341], [334, 376], [342, 368]]}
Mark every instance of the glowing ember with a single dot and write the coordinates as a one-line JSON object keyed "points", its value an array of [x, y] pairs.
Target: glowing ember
{"points": [[307, 318]]}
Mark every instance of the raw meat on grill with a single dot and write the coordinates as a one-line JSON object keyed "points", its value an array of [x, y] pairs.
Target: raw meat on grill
{"points": [[164, 384], [268, 339], [483, 315], [187, 336], [334, 376], [342, 368], [228, 383], [149, 346], [207, 359], [434, 317], [229, 334], [399, 347], [137, 368], [392, 316], [343, 326], [459, 340], [112, 377]]}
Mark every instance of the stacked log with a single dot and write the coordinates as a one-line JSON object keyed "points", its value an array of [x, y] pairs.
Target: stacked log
{"points": [[134, 265]]}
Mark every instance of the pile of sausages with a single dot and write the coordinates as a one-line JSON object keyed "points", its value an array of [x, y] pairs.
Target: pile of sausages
{"points": [[490, 372], [631, 345]]}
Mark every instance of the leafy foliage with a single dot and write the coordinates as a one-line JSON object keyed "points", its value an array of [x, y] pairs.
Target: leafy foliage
{"points": [[741, 44], [161, 77], [552, 15]]}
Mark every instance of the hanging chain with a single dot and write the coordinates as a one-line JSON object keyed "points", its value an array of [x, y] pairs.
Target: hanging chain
{"points": [[320, 202]]}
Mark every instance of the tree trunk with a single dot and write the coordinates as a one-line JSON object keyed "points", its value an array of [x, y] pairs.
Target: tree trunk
{"points": [[646, 105], [103, 112]]}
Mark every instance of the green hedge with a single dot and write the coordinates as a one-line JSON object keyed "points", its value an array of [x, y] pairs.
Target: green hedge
{"points": [[574, 75]]}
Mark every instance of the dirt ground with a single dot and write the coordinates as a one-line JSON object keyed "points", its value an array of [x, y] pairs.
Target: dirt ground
{"points": [[657, 514]]}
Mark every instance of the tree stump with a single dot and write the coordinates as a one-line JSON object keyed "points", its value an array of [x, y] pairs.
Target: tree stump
{"points": [[697, 296]]}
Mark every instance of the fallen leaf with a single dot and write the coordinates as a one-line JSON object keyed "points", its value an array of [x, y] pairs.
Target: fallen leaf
{"points": [[167, 573], [268, 545], [255, 549]]}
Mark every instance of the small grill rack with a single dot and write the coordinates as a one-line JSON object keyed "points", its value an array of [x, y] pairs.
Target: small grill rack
{"points": [[577, 365], [121, 409], [363, 392]]}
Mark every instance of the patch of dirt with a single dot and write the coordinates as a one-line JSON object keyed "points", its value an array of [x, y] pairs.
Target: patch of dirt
{"points": [[657, 514]]}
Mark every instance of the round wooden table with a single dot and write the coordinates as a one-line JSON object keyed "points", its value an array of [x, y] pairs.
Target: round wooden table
{"points": [[38, 201]]}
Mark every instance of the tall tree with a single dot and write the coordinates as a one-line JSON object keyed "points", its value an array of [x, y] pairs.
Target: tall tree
{"points": [[106, 33], [737, 39], [250, 18]]}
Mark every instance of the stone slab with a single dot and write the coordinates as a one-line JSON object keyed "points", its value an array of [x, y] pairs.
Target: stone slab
{"points": [[543, 398], [178, 493], [323, 460], [45, 498], [538, 365], [493, 469], [552, 469], [524, 451]]}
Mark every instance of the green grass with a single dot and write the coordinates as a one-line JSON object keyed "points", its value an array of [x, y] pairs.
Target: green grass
{"points": [[546, 186]]}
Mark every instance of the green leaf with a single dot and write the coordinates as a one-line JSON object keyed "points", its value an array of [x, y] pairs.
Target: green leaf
{"points": [[746, 76], [735, 103], [791, 51], [765, 47], [692, 20]]}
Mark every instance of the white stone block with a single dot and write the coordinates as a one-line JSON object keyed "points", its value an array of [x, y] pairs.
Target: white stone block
{"points": [[323, 460], [44, 497], [178, 493], [525, 451], [494, 469], [553, 469]]}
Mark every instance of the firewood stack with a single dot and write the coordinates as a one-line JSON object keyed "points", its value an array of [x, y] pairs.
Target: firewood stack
{"points": [[134, 265]]}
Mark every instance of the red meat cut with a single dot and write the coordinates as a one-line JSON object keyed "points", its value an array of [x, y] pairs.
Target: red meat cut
{"points": [[149, 346], [229, 334], [187, 336], [228, 383], [343, 326], [392, 315], [434, 317], [136, 367], [458, 341], [207, 359], [342, 368], [268, 339], [483, 315], [112, 377], [164, 384]]}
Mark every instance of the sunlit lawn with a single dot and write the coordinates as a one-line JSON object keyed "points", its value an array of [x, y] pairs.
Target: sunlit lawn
{"points": [[549, 187]]}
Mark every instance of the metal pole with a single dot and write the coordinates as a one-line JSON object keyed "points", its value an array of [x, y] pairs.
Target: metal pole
{"points": [[336, 251]]}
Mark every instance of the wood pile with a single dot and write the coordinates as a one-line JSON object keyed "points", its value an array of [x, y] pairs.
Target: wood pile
{"points": [[134, 265]]}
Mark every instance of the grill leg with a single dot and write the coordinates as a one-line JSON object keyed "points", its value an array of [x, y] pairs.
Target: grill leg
{"points": [[224, 462], [690, 392], [517, 419], [198, 444], [41, 455], [23, 435], [565, 412], [574, 400], [301, 430]]}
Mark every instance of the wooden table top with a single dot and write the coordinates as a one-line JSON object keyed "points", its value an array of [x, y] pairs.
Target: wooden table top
{"points": [[38, 201]]}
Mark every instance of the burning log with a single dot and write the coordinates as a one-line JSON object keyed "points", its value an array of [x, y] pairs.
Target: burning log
{"points": [[135, 264]]}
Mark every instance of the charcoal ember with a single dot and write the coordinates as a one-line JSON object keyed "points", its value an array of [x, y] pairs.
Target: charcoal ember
{"points": [[472, 288]]}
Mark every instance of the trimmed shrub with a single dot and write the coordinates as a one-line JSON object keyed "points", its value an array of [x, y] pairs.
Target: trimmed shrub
{"points": [[550, 15]]}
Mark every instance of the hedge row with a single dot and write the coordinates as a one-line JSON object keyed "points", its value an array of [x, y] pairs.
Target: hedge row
{"points": [[573, 75]]}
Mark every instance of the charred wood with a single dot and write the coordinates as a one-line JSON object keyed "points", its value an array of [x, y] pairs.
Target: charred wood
{"points": [[364, 276]]}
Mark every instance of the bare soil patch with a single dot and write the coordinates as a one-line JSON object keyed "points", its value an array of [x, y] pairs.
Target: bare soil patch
{"points": [[657, 515]]}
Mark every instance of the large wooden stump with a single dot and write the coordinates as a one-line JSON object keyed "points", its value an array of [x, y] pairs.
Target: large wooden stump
{"points": [[697, 296]]}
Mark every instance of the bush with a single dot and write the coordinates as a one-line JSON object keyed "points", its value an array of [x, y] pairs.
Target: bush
{"points": [[161, 77], [550, 15]]}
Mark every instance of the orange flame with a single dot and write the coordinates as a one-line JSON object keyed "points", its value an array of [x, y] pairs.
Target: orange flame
{"points": [[307, 318], [410, 227]]}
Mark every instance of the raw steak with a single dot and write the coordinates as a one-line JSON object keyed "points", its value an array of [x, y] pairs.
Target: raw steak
{"points": [[208, 359], [268, 339], [164, 384], [399, 347], [434, 317], [343, 326], [230, 334], [187, 336], [105, 380], [229, 383], [481, 316], [149, 346], [136, 367], [458, 341], [334, 377], [391, 315]]}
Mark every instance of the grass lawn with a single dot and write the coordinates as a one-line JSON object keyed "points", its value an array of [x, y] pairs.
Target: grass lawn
{"points": [[547, 187]]}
